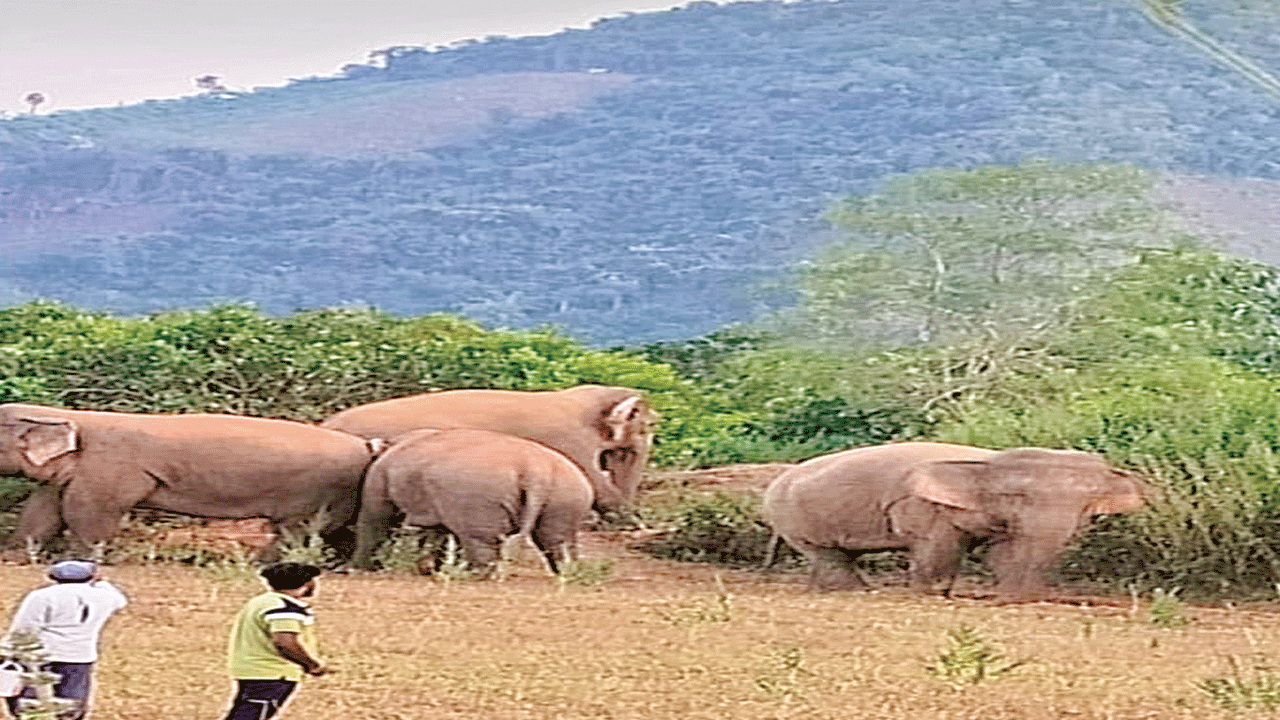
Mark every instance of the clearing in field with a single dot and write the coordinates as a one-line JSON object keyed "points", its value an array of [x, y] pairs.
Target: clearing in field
{"points": [[660, 639]]}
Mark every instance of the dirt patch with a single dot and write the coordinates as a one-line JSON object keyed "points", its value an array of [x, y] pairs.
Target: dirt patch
{"points": [[412, 115]]}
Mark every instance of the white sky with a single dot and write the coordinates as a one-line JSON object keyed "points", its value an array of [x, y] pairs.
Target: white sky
{"points": [[90, 53]]}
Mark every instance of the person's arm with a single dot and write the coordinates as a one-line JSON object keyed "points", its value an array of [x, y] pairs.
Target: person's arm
{"points": [[290, 649], [118, 597], [27, 616]]}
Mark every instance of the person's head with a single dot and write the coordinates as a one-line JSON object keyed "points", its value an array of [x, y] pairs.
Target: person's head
{"points": [[72, 571], [291, 578]]}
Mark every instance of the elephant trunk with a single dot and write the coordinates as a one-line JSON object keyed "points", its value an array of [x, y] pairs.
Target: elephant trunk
{"points": [[626, 466]]}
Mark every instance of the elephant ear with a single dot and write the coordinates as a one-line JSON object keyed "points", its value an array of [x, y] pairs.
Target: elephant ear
{"points": [[953, 483], [911, 516], [44, 439], [621, 416]]}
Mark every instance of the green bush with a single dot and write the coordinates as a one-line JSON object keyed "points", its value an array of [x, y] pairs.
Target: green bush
{"points": [[305, 366], [1244, 690], [739, 445], [760, 401], [1205, 433], [798, 431], [1211, 528], [13, 492], [721, 528], [1164, 408]]}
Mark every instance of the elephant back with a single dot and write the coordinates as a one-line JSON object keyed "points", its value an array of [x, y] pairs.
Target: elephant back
{"points": [[841, 499]]}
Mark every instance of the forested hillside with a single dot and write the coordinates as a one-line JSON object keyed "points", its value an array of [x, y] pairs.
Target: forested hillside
{"points": [[629, 182]]}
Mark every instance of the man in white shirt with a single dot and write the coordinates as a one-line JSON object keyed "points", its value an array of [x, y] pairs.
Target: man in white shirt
{"points": [[68, 616]]}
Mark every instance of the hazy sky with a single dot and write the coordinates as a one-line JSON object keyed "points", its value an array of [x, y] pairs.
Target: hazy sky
{"points": [[86, 53]]}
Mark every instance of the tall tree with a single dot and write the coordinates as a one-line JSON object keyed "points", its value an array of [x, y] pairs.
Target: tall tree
{"points": [[211, 84], [34, 99], [946, 255]]}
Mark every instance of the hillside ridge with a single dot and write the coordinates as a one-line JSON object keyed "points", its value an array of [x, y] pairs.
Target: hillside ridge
{"points": [[634, 181]]}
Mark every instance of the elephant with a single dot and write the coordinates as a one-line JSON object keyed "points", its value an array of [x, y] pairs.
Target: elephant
{"points": [[480, 485], [936, 500], [93, 467], [607, 431]]}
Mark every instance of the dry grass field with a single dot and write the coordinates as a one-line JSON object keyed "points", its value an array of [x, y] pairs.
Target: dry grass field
{"points": [[661, 640]]}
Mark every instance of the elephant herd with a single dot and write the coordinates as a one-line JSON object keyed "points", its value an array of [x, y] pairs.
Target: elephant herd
{"points": [[482, 463], [487, 464]]}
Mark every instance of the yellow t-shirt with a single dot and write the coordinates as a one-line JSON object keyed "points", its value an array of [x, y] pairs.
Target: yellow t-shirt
{"points": [[251, 654]]}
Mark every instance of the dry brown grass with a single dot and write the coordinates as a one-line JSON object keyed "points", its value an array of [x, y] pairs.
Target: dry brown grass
{"points": [[409, 647]]}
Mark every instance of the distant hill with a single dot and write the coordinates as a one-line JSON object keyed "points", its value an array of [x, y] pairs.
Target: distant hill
{"points": [[629, 182]]}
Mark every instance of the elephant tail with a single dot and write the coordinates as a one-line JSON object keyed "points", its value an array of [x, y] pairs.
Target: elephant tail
{"points": [[771, 550], [377, 446], [536, 497]]}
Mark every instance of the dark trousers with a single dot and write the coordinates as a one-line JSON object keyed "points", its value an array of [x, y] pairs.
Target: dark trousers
{"points": [[259, 699], [75, 683]]}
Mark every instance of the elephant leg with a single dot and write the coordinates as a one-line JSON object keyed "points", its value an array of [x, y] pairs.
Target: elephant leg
{"points": [[1013, 578], [93, 516], [339, 532], [936, 557], [481, 552], [554, 549], [41, 518], [835, 569], [556, 537], [1021, 561], [371, 531]]}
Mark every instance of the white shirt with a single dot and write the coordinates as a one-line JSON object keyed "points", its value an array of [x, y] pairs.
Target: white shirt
{"points": [[68, 618]]}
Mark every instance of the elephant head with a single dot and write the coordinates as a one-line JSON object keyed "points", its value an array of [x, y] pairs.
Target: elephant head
{"points": [[1030, 501], [627, 431], [606, 431], [30, 440]]}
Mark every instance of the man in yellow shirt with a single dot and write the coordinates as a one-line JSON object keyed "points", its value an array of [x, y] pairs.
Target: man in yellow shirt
{"points": [[273, 642]]}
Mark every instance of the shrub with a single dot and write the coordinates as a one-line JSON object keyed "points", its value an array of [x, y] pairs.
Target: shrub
{"points": [[1167, 609], [721, 528], [409, 549], [1211, 528], [969, 658], [305, 366], [585, 573], [803, 429], [1238, 691], [13, 492], [784, 674], [739, 445], [1206, 435], [842, 423], [761, 401]]}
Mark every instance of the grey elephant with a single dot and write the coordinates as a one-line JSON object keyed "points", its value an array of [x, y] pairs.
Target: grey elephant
{"points": [[483, 487], [92, 467], [936, 500], [606, 430]]}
